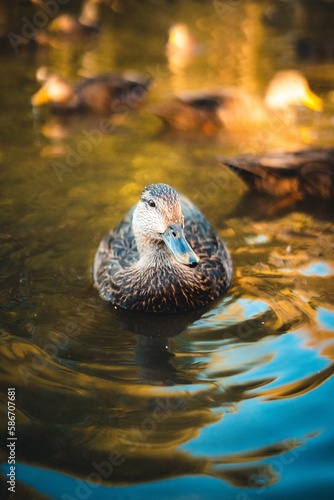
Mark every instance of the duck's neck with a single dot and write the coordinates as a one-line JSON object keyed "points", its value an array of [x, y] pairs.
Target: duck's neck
{"points": [[153, 252]]}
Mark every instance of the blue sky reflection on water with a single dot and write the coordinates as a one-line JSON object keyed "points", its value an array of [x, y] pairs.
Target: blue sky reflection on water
{"points": [[318, 269], [326, 318]]}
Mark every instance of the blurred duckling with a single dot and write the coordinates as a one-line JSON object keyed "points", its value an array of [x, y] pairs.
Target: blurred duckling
{"points": [[300, 174], [103, 94], [235, 109]]}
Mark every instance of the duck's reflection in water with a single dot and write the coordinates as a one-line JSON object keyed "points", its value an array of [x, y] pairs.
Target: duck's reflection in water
{"points": [[153, 350]]}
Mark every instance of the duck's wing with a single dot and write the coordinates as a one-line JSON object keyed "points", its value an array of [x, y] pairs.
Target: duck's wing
{"points": [[198, 231], [214, 257], [117, 250]]}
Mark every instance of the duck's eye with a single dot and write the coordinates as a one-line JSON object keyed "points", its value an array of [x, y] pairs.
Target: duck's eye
{"points": [[151, 203]]}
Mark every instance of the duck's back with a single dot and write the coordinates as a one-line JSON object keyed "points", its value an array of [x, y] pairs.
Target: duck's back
{"points": [[111, 93], [226, 108], [118, 249]]}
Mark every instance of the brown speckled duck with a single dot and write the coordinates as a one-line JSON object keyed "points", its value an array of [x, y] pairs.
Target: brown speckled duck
{"points": [[302, 173], [67, 26], [163, 257], [235, 109], [103, 94]]}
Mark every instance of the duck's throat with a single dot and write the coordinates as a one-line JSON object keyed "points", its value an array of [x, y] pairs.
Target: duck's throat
{"points": [[154, 253]]}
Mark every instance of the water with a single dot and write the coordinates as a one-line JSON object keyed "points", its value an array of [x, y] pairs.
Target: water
{"points": [[236, 403]]}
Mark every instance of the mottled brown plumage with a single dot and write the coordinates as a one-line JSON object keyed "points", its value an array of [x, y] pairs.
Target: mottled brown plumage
{"points": [[103, 94], [307, 172], [236, 109], [163, 257]]}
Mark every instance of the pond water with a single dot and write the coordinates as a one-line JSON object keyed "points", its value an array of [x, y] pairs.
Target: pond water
{"points": [[236, 403]]}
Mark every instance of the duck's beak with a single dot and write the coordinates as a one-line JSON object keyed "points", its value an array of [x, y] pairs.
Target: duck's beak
{"points": [[312, 101], [41, 97], [179, 247]]}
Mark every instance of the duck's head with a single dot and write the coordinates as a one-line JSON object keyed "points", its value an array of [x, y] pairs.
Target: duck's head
{"points": [[290, 88], [55, 89], [158, 222]]}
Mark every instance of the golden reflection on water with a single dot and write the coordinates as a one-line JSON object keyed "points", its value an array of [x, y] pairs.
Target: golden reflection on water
{"points": [[296, 241]]}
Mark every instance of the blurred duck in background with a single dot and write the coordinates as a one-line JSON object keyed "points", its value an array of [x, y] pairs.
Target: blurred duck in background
{"points": [[87, 23], [298, 174], [235, 109], [69, 28], [103, 94]]}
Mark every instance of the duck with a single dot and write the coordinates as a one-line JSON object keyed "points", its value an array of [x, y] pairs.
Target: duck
{"points": [[67, 27], [303, 173], [234, 108], [103, 94], [163, 257]]}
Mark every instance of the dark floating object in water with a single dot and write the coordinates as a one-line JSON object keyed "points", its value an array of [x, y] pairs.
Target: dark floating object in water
{"points": [[307, 172], [163, 257], [103, 94]]}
